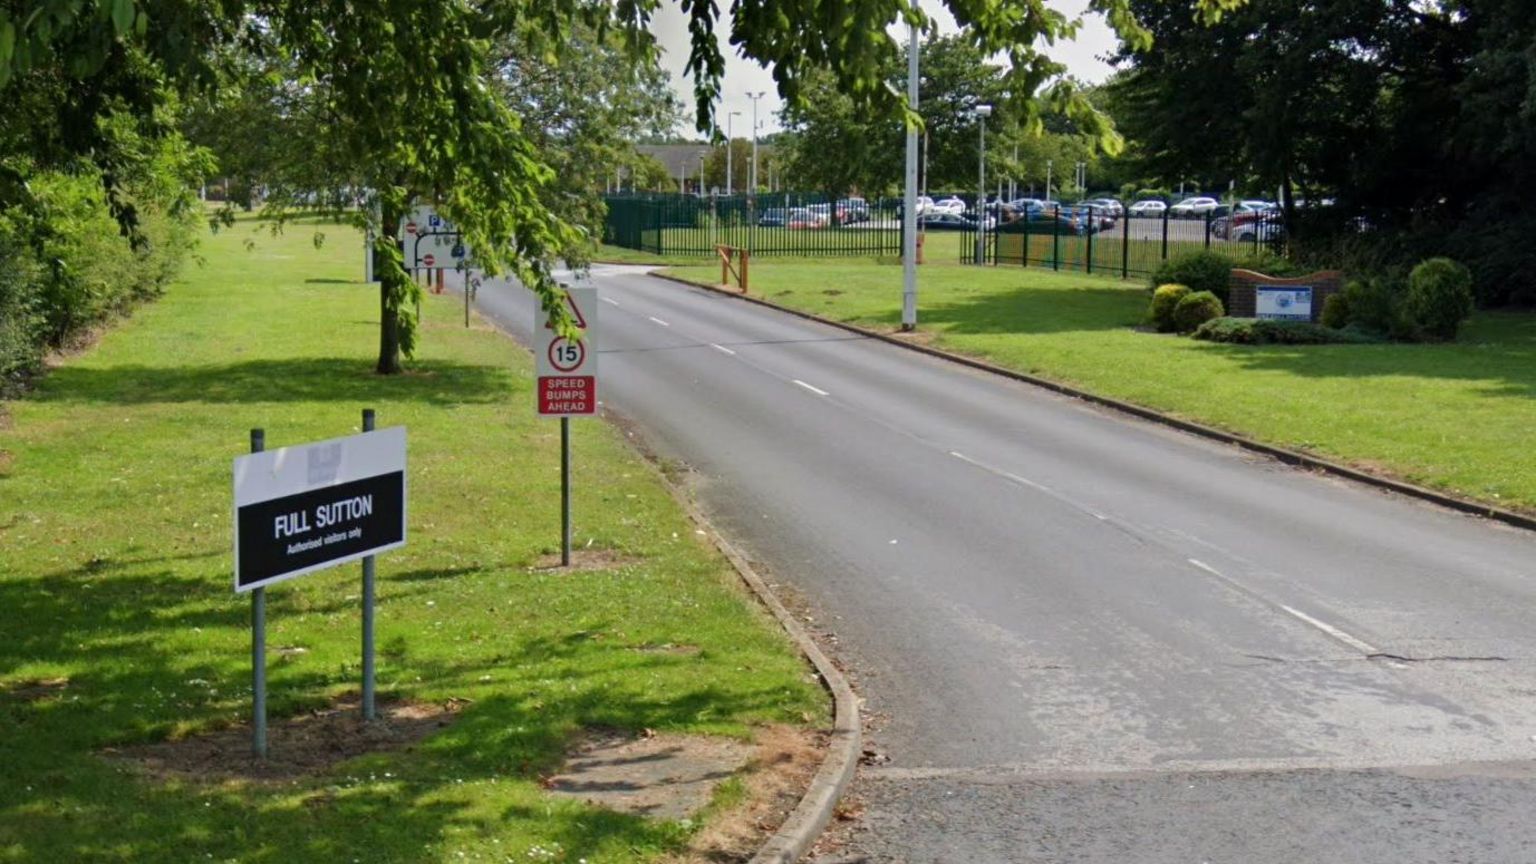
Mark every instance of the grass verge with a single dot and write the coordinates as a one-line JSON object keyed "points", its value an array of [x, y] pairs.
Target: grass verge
{"points": [[1455, 417], [121, 628]]}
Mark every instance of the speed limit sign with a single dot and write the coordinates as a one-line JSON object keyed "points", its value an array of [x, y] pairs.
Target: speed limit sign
{"points": [[567, 367]]}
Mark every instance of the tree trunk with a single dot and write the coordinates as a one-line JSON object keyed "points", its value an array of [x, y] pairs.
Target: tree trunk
{"points": [[391, 291]]}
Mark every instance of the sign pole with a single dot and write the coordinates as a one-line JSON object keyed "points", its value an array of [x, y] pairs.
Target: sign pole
{"points": [[565, 491], [368, 591], [259, 646]]}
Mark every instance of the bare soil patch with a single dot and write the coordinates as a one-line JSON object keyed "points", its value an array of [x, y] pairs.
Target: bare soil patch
{"points": [[663, 776], [784, 761], [587, 559], [297, 747]]}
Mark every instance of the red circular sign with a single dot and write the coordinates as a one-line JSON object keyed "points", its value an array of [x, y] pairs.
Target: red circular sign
{"points": [[428, 260], [565, 355], [410, 227]]}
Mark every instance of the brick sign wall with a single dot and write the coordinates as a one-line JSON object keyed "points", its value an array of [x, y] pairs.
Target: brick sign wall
{"points": [[1245, 285]]}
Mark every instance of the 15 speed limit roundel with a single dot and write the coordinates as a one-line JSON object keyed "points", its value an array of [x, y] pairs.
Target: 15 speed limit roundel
{"points": [[565, 355]]}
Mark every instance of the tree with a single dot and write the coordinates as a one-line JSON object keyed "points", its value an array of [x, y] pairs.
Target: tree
{"points": [[1417, 116], [740, 164], [409, 103]]}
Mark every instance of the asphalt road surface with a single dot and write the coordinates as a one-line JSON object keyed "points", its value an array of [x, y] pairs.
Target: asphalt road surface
{"points": [[1085, 638]]}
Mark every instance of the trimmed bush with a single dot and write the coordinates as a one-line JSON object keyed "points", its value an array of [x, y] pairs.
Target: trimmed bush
{"points": [[1439, 297], [1249, 331], [1201, 271], [1164, 301], [1336, 312], [1373, 303], [1195, 309]]}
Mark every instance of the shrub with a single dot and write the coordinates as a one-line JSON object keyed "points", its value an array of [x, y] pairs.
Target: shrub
{"points": [[1373, 303], [1439, 297], [1195, 309], [1164, 301], [1201, 271], [1336, 311], [1249, 331]]}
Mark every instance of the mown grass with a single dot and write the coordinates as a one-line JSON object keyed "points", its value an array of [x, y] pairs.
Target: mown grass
{"points": [[115, 577], [1456, 416]]}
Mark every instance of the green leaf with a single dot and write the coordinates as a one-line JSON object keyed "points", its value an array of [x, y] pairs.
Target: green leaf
{"points": [[7, 43], [122, 16], [141, 23]]}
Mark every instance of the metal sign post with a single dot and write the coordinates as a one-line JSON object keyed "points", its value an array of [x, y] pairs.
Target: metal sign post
{"points": [[368, 587], [565, 491], [259, 646]]}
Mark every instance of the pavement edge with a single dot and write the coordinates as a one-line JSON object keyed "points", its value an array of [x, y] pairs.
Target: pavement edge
{"points": [[1282, 454], [805, 823]]}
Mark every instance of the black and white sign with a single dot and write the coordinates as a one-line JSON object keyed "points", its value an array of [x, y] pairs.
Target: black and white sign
{"points": [[302, 508]]}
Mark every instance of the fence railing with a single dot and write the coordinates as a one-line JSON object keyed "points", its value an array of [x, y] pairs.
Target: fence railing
{"points": [[777, 224], [1098, 240], [1083, 239]]}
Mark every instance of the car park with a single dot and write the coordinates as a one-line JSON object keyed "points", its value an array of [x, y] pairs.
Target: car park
{"points": [[1149, 207], [1192, 207]]}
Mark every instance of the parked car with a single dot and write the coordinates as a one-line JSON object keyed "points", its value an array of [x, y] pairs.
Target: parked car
{"points": [[949, 205], [851, 210], [953, 222], [1040, 221], [1223, 218], [1150, 207], [1106, 205], [776, 217], [1191, 207], [804, 217]]}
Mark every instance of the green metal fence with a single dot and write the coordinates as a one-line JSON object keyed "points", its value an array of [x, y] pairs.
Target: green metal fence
{"points": [[1094, 240], [779, 224]]}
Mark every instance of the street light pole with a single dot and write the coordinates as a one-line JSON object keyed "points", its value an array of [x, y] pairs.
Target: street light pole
{"points": [[729, 188], [1048, 164], [752, 177], [909, 196], [982, 112]]}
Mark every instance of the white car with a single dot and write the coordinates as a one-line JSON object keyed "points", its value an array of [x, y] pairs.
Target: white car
{"points": [[949, 205], [1105, 206], [1194, 207], [1255, 204], [1148, 208]]}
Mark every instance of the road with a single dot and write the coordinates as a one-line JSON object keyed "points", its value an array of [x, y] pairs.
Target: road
{"points": [[1086, 638]]}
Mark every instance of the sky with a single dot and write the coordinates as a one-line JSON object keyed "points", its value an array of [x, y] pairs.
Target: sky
{"points": [[1082, 58]]}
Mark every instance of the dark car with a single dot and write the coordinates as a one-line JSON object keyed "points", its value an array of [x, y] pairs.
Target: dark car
{"points": [[1039, 221], [946, 222]]}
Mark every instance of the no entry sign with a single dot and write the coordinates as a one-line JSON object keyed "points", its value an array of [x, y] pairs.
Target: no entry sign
{"points": [[568, 367], [302, 508]]}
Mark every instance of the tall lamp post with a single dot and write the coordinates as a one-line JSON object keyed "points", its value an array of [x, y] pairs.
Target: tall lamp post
{"points": [[982, 113], [752, 175], [729, 187], [909, 197]]}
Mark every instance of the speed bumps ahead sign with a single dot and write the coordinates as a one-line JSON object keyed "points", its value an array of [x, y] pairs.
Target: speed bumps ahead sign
{"points": [[567, 368], [302, 508]]}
